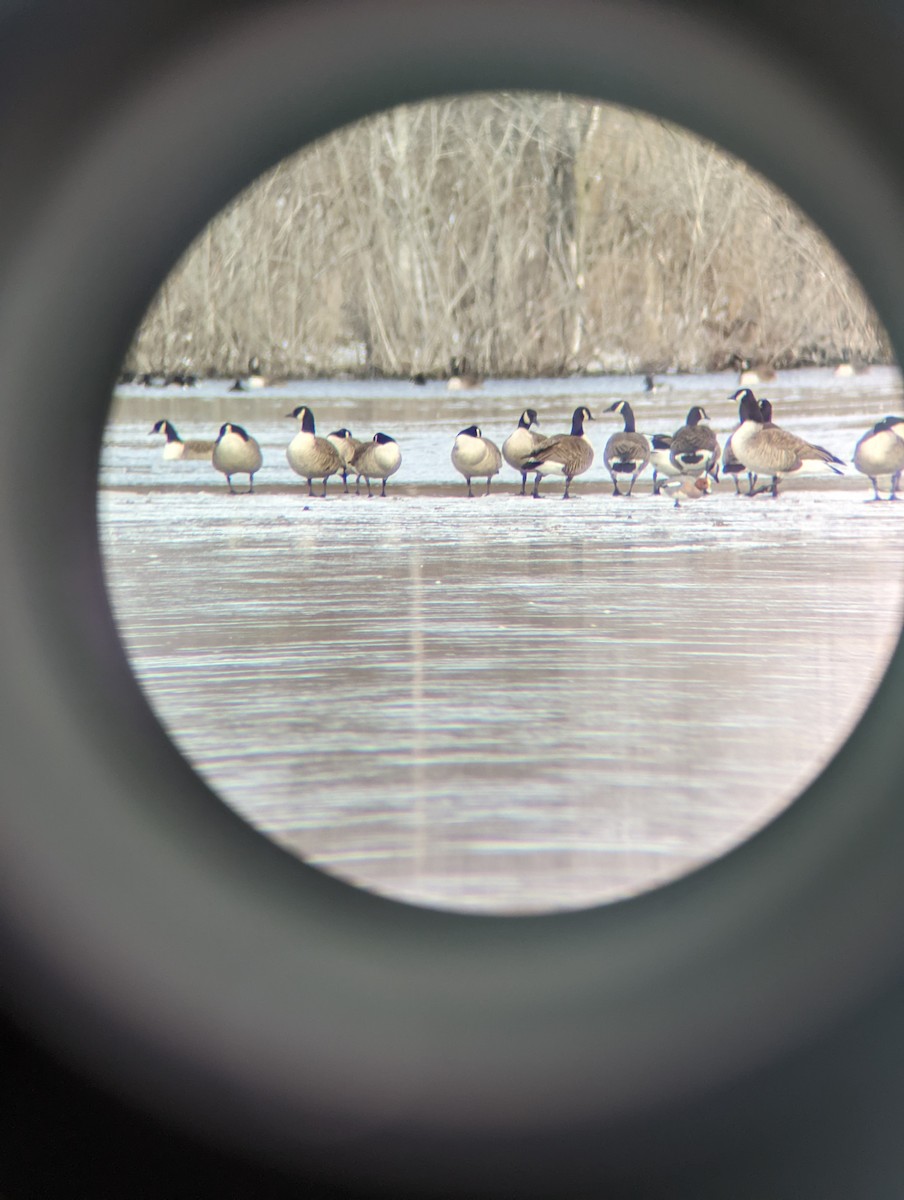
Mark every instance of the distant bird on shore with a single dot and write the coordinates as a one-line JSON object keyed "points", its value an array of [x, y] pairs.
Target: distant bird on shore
{"points": [[626, 453], [685, 488], [567, 454], [519, 446], [347, 446], [475, 456], [236, 453], [880, 454], [377, 459], [460, 378], [695, 448], [310, 456], [176, 448], [768, 450]]}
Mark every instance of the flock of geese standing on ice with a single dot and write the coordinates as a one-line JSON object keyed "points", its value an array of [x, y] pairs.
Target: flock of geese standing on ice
{"points": [[685, 463]]}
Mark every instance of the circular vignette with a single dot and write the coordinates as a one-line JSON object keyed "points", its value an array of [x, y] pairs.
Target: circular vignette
{"points": [[162, 944]]}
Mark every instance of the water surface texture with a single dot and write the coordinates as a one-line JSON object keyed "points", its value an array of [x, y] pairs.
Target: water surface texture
{"points": [[501, 704]]}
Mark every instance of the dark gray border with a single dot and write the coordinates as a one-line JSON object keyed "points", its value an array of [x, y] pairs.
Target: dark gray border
{"points": [[170, 950]]}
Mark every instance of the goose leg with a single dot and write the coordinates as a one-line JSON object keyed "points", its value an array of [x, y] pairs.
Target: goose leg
{"points": [[383, 489], [369, 492], [876, 496], [631, 484], [323, 493], [251, 484], [615, 491], [895, 480], [310, 487], [565, 495], [358, 485], [523, 481], [345, 481], [470, 493], [536, 492], [489, 481], [774, 487], [231, 488], [737, 485]]}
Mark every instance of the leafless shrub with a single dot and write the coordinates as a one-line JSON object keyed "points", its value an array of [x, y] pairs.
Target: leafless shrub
{"points": [[526, 234]]}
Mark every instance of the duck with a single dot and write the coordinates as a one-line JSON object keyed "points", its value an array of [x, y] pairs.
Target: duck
{"points": [[310, 456], [236, 453], [695, 448], [460, 378], [880, 453], [475, 456], [769, 450], [626, 453], [661, 458], [376, 459], [687, 488], [346, 445], [567, 454], [519, 446], [730, 462], [176, 448], [751, 374]]}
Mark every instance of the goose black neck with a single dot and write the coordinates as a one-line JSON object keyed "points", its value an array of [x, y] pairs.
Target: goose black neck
{"points": [[628, 414], [577, 423]]}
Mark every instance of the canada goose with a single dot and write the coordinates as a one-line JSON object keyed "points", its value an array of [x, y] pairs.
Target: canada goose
{"points": [[567, 454], [310, 456], [750, 374], [475, 456], [255, 378], [695, 448], [346, 445], [846, 370], [652, 385], [732, 466], [661, 458], [880, 453], [377, 459], [176, 448], [626, 453], [768, 450], [460, 378], [236, 453], [520, 445], [686, 488]]}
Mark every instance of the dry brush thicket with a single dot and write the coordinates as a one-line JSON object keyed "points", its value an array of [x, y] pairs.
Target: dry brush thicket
{"points": [[527, 234]]}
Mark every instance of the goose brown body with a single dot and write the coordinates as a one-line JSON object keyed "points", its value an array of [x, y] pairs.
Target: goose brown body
{"points": [[236, 453], [310, 456], [626, 453], [520, 445], [695, 448], [767, 449], [567, 454], [176, 448]]}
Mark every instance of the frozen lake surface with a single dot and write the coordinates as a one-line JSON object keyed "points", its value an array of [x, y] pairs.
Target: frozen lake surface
{"points": [[498, 704]]}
